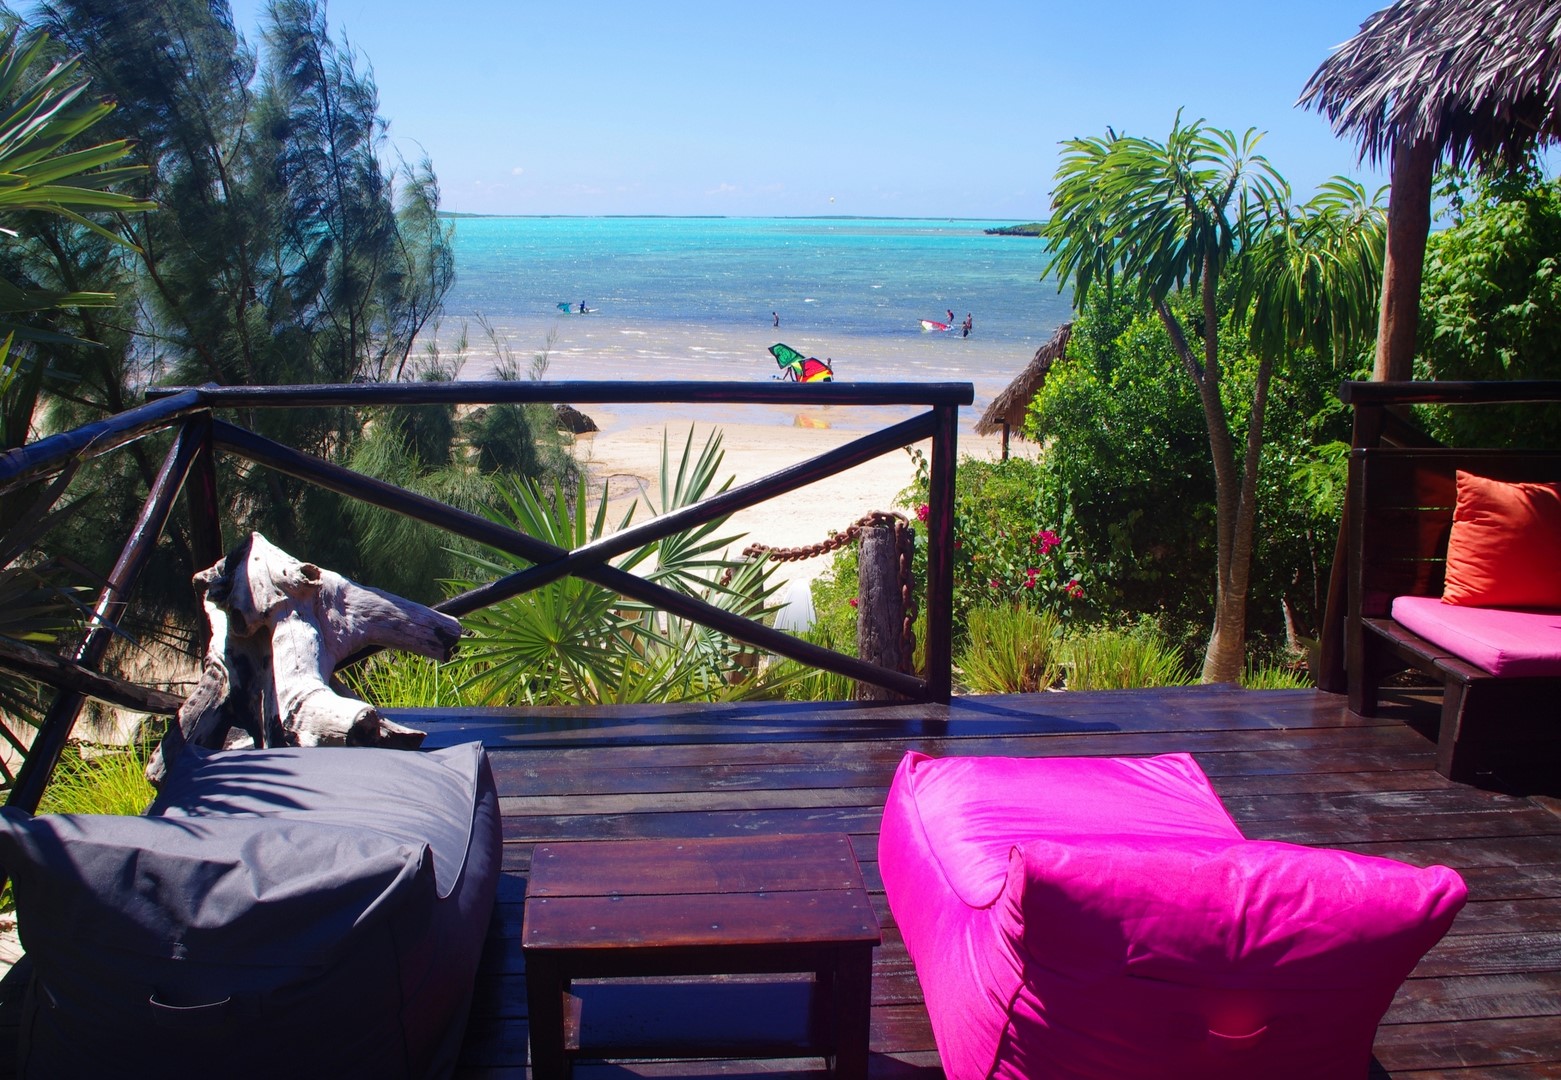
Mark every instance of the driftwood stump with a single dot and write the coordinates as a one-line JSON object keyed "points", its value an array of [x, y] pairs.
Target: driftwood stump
{"points": [[279, 628]]}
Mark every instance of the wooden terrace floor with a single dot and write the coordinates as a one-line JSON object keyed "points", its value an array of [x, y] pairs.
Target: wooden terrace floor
{"points": [[1290, 765]]}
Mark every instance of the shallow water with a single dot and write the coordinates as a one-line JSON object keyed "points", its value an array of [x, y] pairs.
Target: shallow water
{"points": [[696, 298]]}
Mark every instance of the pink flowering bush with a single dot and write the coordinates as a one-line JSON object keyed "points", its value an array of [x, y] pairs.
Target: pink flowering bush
{"points": [[1010, 548]]}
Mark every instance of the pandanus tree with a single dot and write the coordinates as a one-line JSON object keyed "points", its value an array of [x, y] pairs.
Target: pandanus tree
{"points": [[1196, 213]]}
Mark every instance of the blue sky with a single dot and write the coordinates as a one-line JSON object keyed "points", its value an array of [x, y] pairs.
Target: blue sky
{"points": [[746, 107]]}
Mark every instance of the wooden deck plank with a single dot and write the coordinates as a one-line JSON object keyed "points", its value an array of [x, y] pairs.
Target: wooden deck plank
{"points": [[1291, 765]]}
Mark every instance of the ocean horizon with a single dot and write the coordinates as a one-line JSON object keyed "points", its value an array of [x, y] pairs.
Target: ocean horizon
{"points": [[698, 298]]}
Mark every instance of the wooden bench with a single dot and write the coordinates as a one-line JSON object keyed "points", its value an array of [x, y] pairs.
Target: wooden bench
{"points": [[1400, 515]]}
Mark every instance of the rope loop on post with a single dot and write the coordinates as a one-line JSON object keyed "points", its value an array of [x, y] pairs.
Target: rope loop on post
{"points": [[904, 544], [835, 541]]}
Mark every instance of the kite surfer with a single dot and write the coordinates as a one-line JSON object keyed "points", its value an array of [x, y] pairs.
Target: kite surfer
{"points": [[969, 326], [776, 316], [582, 307]]}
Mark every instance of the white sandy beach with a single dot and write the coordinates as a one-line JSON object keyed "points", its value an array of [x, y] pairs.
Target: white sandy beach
{"points": [[627, 457]]}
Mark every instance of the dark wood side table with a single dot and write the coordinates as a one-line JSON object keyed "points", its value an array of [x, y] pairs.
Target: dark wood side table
{"points": [[728, 906]]}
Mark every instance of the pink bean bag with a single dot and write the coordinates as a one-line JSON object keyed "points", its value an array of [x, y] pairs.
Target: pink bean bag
{"points": [[1104, 917]]}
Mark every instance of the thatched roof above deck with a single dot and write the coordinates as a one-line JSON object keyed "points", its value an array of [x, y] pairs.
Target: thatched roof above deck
{"points": [[1479, 79], [1010, 406]]}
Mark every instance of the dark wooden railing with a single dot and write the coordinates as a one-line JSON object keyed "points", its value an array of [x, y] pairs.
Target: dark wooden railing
{"points": [[191, 413]]}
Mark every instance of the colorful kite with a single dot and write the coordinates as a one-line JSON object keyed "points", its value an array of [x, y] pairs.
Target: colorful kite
{"points": [[798, 368]]}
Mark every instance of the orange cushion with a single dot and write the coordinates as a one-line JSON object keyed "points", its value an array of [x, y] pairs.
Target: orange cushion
{"points": [[1505, 546]]}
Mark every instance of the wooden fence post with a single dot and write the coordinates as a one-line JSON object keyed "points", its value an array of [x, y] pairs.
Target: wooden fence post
{"points": [[880, 622]]}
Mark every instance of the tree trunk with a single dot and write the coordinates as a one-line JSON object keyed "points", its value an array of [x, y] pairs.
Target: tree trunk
{"points": [[1226, 652], [1409, 222], [1226, 658]]}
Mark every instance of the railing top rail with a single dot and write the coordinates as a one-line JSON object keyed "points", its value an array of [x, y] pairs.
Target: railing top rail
{"points": [[580, 392], [1424, 392], [51, 454]]}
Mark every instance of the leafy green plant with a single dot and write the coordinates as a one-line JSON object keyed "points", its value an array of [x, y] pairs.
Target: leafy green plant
{"points": [[1182, 219], [1011, 650], [1119, 659], [1491, 304], [572, 641], [43, 116]]}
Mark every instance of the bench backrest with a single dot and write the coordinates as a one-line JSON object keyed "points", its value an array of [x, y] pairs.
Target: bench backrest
{"points": [[1401, 511]]}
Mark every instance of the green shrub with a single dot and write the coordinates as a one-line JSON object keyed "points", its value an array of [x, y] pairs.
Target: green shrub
{"points": [[1011, 544], [1011, 650], [1113, 659]]}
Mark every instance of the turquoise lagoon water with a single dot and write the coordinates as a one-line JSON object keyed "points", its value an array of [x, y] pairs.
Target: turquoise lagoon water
{"points": [[692, 298]]}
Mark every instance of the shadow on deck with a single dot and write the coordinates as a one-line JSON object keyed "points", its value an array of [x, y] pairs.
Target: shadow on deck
{"points": [[1290, 765]]}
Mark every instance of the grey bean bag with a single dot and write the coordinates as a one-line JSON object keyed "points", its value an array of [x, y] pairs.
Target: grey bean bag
{"points": [[288, 912]]}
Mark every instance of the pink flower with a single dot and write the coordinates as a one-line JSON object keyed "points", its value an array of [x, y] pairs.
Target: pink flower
{"points": [[1074, 590], [852, 601], [996, 584], [1045, 541], [1029, 577], [923, 512]]}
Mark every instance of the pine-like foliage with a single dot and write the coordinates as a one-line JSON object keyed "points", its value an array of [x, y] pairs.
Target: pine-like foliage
{"points": [[284, 250]]}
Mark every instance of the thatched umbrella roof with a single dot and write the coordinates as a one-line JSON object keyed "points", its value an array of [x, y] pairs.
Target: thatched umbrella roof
{"points": [[1479, 78], [1432, 80], [1006, 413]]}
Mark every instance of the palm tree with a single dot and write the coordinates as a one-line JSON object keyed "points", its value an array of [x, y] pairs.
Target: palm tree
{"points": [[1185, 214]]}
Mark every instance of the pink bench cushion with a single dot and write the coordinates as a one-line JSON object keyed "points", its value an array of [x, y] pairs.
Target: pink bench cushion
{"points": [[1125, 928], [1502, 641]]}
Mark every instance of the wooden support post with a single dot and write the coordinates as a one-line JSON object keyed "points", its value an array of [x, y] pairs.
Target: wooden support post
{"points": [[880, 613], [200, 492], [940, 556]]}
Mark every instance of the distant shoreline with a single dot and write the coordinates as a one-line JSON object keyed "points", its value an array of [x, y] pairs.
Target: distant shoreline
{"points": [[993, 230]]}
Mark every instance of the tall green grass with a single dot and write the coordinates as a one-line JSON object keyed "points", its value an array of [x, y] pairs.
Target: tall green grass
{"points": [[1274, 677], [1011, 650], [1110, 659], [100, 780], [408, 681], [803, 683]]}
